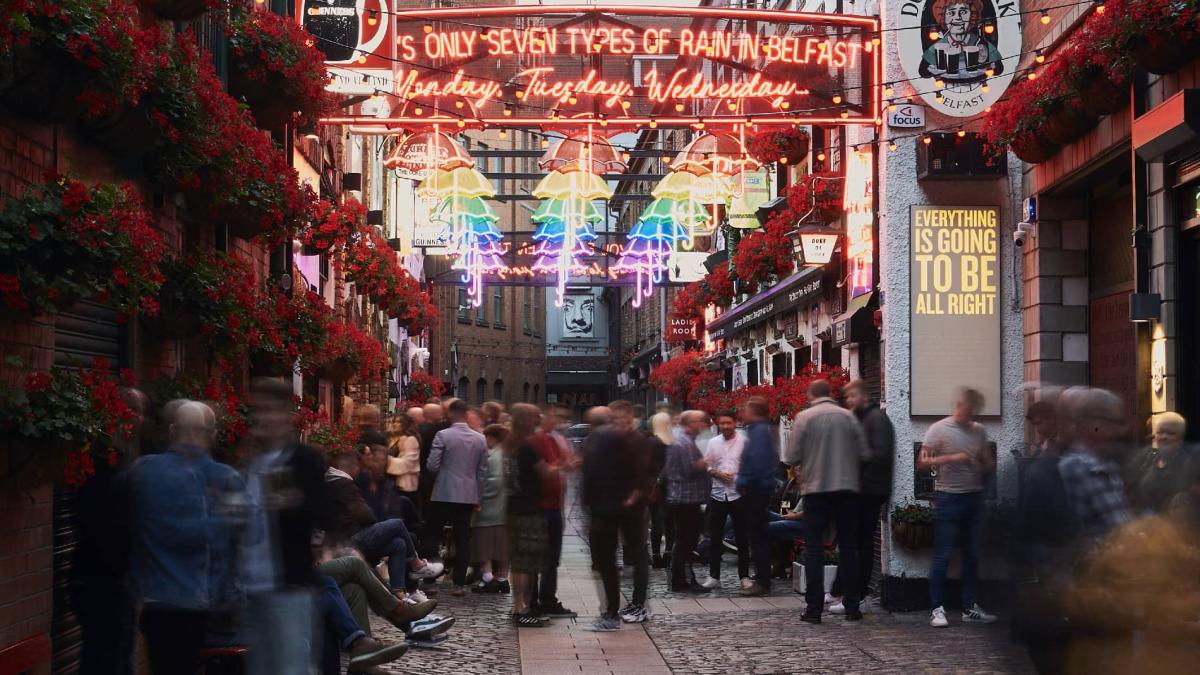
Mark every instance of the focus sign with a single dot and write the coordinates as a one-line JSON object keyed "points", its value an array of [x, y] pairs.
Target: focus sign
{"points": [[907, 116]]}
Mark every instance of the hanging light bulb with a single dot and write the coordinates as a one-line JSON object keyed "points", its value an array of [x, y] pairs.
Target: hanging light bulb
{"points": [[891, 106], [989, 28], [984, 87], [1040, 58], [503, 133], [603, 120], [428, 28], [938, 97], [783, 160], [891, 145], [653, 123], [507, 110], [926, 139], [889, 91], [731, 105], [418, 110], [462, 124], [785, 105], [836, 99], [520, 93], [372, 17], [625, 156], [545, 142], [699, 123], [844, 114], [678, 107], [962, 133], [1031, 76], [458, 104], [934, 35], [573, 99], [1045, 18], [625, 105], [939, 83], [875, 40], [1099, 6], [821, 156]]}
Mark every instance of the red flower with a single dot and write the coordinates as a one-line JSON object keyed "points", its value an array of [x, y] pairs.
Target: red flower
{"points": [[35, 382]]}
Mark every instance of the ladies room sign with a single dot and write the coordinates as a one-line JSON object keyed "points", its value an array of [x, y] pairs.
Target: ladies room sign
{"points": [[955, 306], [960, 54]]}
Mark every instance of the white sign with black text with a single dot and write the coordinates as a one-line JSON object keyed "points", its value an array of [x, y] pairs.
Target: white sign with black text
{"points": [[907, 116]]}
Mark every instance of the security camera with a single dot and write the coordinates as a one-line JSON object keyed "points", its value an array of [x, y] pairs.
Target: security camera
{"points": [[1023, 232]]}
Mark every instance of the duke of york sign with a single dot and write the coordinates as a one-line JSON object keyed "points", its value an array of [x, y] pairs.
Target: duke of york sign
{"points": [[972, 46]]}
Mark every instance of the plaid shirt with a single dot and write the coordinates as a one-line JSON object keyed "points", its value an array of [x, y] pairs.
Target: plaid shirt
{"points": [[1096, 491], [685, 483]]}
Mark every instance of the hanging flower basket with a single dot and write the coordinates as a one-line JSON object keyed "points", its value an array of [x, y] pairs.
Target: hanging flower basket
{"points": [[175, 321], [266, 364], [1033, 148], [245, 223], [912, 535], [41, 82], [1162, 53], [261, 92], [128, 135], [174, 10], [1066, 123], [1099, 95], [337, 370]]}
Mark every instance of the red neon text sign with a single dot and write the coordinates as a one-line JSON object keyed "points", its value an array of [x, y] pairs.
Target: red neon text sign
{"points": [[565, 66]]}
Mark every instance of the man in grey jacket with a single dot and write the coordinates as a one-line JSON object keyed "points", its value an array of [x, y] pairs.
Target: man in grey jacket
{"points": [[459, 459], [826, 445]]}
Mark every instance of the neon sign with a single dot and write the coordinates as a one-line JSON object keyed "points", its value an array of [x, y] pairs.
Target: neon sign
{"points": [[527, 65], [858, 202]]}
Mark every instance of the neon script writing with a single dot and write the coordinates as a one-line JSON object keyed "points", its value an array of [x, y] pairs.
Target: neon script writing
{"points": [[820, 50]]}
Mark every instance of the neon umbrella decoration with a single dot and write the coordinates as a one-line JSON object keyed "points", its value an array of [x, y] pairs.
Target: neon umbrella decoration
{"points": [[474, 238], [721, 154], [575, 150], [566, 217], [460, 182], [419, 154], [652, 240]]}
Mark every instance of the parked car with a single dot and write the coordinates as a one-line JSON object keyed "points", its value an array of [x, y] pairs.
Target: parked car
{"points": [[577, 434]]}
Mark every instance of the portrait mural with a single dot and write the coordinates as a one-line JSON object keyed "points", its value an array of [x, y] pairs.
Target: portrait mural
{"points": [[579, 315], [970, 47]]}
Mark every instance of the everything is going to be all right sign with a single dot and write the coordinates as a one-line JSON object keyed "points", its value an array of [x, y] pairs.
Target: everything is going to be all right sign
{"points": [[955, 294]]}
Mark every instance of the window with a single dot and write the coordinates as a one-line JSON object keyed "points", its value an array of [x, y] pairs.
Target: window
{"points": [[537, 389], [481, 390], [498, 307], [537, 311], [752, 373], [525, 392], [498, 390], [464, 311], [461, 389], [526, 313]]}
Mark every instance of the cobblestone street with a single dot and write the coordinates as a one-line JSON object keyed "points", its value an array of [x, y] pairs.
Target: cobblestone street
{"points": [[717, 633]]}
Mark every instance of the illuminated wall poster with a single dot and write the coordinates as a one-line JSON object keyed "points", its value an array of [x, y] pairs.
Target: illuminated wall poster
{"points": [[859, 204], [955, 306]]}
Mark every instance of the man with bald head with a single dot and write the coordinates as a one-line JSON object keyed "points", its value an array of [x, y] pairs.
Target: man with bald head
{"points": [[416, 414], [186, 508], [435, 420]]}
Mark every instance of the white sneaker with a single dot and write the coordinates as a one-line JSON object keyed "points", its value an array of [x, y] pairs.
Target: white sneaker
{"points": [[829, 598], [837, 608], [431, 570], [747, 583], [938, 618], [977, 615], [415, 597], [711, 583]]}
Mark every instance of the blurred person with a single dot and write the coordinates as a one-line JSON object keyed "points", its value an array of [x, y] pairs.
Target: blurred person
{"points": [[187, 509], [379, 490], [1091, 474], [369, 419], [491, 412], [957, 447], [874, 479], [475, 421], [827, 444], [404, 461], [525, 475], [723, 458], [613, 491], [756, 483], [489, 539], [435, 421], [662, 528], [416, 414], [1043, 419], [1165, 469], [351, 522], [458, 459], [688, 487], [555, 450], [639, 417], [100, 590], [286, 483]]}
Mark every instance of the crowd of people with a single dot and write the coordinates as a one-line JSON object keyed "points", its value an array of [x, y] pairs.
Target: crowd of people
{"points": [[283, 560]]}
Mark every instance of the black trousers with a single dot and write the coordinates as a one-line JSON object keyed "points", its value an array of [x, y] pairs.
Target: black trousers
{"points": [[545, 586], [606, 531], [718, 512], [107, 624], [868, 513], [174, 638], [754, 511], [662, 528], [459, 517], [687, 534], [820, 510]]}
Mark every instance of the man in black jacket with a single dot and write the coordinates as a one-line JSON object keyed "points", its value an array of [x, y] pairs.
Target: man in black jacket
{"points": [[875, 479]]}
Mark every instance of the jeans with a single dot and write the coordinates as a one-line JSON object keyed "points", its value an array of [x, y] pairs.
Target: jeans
{"points": [[956, 518], [687, 535], [459, 516], [545, 587], [606, 530], [718, 512], [340, 628], [388, 539], [754, 510], [282, 630], [107, 624], [784, 530], [662, 528], [174, 638], [821, 510], [868, 529]]}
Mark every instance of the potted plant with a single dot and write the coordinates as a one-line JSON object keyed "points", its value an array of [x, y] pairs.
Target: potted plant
{"points": [[66, 240], [333, 438], [912, 525], [829, 555], [684, 379], [275, 67], [376, 272], [349, 352], [1161, 36], [421, 389], [764, 255], [52, 423], [815, 198], [332, 226]]}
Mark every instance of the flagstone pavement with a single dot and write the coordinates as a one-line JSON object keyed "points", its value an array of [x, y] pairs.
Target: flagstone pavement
{"points": [[716, 633]]}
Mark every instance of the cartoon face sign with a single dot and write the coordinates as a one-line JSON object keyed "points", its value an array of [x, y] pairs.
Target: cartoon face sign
{"points": [[960, 54], [578, 315]]}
